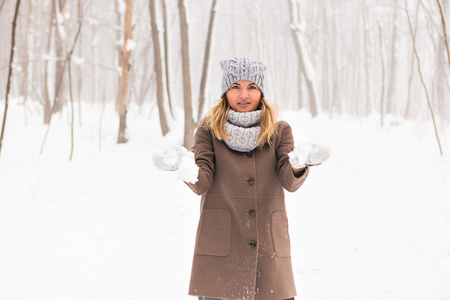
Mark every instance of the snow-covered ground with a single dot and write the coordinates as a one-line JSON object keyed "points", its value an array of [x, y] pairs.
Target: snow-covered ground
{"points": [[373, 222]]}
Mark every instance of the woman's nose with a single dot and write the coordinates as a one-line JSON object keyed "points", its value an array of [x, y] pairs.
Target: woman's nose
{"points": [[244, 94]]}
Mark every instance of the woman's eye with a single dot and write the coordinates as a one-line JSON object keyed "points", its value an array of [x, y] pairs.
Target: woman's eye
{"points": [[235, 87], [253, 87]]}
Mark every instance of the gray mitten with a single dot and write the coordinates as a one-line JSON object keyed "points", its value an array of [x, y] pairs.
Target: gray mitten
{"points": [[308, 154], [177, 159]]}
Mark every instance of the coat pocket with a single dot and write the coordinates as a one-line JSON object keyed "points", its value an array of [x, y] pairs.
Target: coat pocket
{"points": [[214, 235], [280, 234]]}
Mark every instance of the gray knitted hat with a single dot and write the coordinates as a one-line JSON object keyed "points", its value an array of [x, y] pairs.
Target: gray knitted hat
{"points": [[239, 68]]}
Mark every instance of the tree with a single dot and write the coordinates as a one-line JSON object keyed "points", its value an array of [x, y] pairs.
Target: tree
{"points": [[419, 69], [166, 55], [158, 70], [11, 58], [201, 100], [126, 53], [303, 59], [189, 124], [444, 29]]}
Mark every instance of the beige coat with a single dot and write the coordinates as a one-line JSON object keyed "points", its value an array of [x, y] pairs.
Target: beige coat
{"points": [[242, 248]]}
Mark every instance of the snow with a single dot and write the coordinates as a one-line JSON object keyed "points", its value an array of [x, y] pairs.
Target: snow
{"points": [[77, 60], [131, 45], [188, 170], [60, 25], [372, 222]]}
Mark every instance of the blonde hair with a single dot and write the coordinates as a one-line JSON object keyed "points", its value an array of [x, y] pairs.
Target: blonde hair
{"points": [[217, 117]]}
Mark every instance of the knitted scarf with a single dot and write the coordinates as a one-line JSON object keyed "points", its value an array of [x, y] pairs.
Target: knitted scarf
{"points": [[244, 129]]}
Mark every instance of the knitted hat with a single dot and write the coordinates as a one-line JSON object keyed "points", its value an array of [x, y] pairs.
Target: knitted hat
{"points": [[239, 68]]}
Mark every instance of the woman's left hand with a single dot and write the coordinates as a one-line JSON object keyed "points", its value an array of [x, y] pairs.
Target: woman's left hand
{"points": [[308, 154]]}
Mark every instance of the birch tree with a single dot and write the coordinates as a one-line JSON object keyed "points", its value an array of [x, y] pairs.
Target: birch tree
{"points": [[303, 59]]}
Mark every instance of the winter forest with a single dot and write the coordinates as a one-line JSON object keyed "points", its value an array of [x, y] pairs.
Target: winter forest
{"points": [[89, 89]]}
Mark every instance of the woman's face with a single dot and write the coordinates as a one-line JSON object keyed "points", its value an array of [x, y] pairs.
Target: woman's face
{"points": [[243, 96]]}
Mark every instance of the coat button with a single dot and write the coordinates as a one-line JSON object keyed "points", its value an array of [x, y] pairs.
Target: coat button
{"points": [[249, 154], [252, 244], [252, 212], [251, 181]]}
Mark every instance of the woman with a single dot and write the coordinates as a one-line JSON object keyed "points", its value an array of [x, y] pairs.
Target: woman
{"points": [[244, 160]]}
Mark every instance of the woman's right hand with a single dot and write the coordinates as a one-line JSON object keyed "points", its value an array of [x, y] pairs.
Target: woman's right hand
{"points": [[169, 160], [177, 159]]}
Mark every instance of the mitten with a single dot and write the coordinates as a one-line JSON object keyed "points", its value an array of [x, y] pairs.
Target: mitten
{"points": [[177, 159], [308, 154]]}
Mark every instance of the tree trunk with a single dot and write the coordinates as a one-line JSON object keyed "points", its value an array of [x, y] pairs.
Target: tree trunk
{"points": [[444, 29], [201, 100], [393, 74], [158, 70], [303, 59], [382, 106], [27, 51], [189, 124], [66, 62], [122, 105], [60, 41], [1, 6], [408, 109], [166, 56], [11, 59], [47, 103], [421, 78], [368, 60], [69, 59]]}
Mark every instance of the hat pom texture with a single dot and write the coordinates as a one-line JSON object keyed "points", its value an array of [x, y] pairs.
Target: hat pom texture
{"points": [[242, 68]]}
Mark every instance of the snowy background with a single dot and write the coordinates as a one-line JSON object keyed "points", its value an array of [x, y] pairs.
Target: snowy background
{"points": [[373, 222]]}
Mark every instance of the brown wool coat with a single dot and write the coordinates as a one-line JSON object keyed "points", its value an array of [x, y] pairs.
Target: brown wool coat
{"points": [[242, 248]]}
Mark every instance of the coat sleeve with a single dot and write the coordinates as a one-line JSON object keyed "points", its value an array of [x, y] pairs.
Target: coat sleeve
{"points": [[204, 158], [288, 179]]}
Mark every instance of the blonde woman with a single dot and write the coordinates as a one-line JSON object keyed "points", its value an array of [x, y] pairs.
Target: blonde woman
{"points": [[244, 160]]}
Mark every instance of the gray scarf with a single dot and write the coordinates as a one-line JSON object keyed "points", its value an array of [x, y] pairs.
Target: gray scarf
{"points": [[244, 129]]}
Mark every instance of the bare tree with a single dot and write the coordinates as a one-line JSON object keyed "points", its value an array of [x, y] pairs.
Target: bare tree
{"points": [[304, 63], [393, 74], [189, 124], [11, 59], [66, 63], [47, 103], [421, 77], [69, 60], [1, 5], [444, 29], [126, 53], [158, 70], [383, 80], [408, 109], [368, 57], [201, 100], [60, 44], [166, 56]]}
